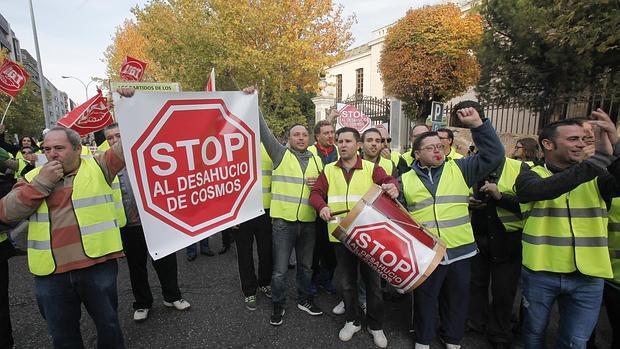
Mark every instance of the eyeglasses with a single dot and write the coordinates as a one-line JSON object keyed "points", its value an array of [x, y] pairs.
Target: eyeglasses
{"points": [[383, 140], [433, 147]]}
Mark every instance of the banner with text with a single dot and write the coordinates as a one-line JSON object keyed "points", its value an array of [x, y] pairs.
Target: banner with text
{"points": [[146, 86], [193, 159]]}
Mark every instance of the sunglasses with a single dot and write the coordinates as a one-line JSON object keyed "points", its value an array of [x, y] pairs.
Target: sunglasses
{"points": [[383, 140]]}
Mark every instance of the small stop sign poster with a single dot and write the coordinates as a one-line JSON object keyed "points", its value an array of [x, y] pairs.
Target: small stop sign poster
{"points": [[193, 159]]}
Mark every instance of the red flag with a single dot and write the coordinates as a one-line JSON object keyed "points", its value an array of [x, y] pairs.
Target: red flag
{"points": [[12, 78], [132, 69], [210, 87], [91, 116]]}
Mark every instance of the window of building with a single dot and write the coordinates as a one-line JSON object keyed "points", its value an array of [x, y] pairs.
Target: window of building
{"points": [[339, 87], [359, 81]]}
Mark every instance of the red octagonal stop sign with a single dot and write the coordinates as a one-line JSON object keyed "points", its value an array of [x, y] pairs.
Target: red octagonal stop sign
{"points": [[195, 163]]}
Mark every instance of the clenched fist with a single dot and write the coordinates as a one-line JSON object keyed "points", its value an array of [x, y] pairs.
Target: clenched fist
{"points": [[52, 171]]}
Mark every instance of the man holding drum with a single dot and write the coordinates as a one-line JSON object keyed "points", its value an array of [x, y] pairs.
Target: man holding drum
{"points": [[337, 190], [436, 195]]}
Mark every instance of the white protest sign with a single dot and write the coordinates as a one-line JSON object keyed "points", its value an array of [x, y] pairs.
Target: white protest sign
{"points": [[194, 163]]}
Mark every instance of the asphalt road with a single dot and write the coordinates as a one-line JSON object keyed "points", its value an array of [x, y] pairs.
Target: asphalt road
{"points": [[218, 317]]}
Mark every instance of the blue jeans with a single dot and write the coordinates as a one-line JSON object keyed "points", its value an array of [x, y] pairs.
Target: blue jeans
{"points": [[191, 250], [286, 236], [579, 302], [60, 296]]}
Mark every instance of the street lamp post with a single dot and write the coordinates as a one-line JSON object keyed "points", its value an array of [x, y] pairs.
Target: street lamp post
{"points": [[81, 82]]}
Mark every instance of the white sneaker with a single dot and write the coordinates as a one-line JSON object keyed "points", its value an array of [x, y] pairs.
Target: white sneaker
{"points": [[363, 306], [379, 338], [349, 329], [339, 309], [180, 304], [422, 346], [452, 346], [140, 315]]}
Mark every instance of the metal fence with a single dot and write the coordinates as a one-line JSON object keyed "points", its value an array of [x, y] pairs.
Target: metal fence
{"points": [[512, 118], [377, 109]]}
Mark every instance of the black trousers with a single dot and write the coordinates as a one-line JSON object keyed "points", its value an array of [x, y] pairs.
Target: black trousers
{"points": [[166, 268], [6, 337], [448, 287], [611, 297], [503, 277], [258, 228], [347, 270], [323, 257]]}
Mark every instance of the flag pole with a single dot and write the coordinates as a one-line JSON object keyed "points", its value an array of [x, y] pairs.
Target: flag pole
{"points": [[5, 110]]}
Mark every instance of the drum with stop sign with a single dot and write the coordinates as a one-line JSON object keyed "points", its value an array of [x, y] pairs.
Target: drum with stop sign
{"points": [[382, 234]]}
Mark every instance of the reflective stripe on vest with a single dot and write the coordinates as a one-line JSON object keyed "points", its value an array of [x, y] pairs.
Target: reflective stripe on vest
{"points": [[614, 238], [343, 195], [95, 214], [289, 191], [511, 221], [446, 215], [568, 233], [267, 168]]}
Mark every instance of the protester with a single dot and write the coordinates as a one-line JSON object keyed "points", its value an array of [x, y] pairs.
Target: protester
{"points": [[372, 144], [388, 153], [447, 139], [497, 223], [435, 193], [295, 170], [611, 293], [258, 229], [527, 150], [6, 251], [416, 130], [69, 198], [134, 246], [339, 188], [565, 250], [323, 259]]}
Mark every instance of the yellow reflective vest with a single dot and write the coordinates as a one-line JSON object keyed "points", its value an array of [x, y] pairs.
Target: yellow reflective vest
{"points": [[386, 164], [343, 195], [445, 214], [395, 157], [116, 191], [568, 233], [613, 227], [453, 155], [267, 168], [289, 191], [3, 237], [95, 214], [511, 221], [408, 157]]}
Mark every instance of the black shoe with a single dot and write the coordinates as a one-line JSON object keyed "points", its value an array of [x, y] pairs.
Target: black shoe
{"points": [[501, 345], [191, 258], [309, 307], [208, 253], [224, 250], [291, 266], [278, 314]]}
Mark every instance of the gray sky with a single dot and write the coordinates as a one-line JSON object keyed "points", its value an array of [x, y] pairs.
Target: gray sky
{"points": [[73, 34]]}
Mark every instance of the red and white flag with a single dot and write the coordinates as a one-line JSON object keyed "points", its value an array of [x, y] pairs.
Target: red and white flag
{"points": [[91, 116], [210, 86], [132, 69], [12, 78]]}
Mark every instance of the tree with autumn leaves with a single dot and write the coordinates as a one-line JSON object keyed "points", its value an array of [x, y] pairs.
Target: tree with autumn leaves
{"points": [[279, 46], [428, 55]]}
